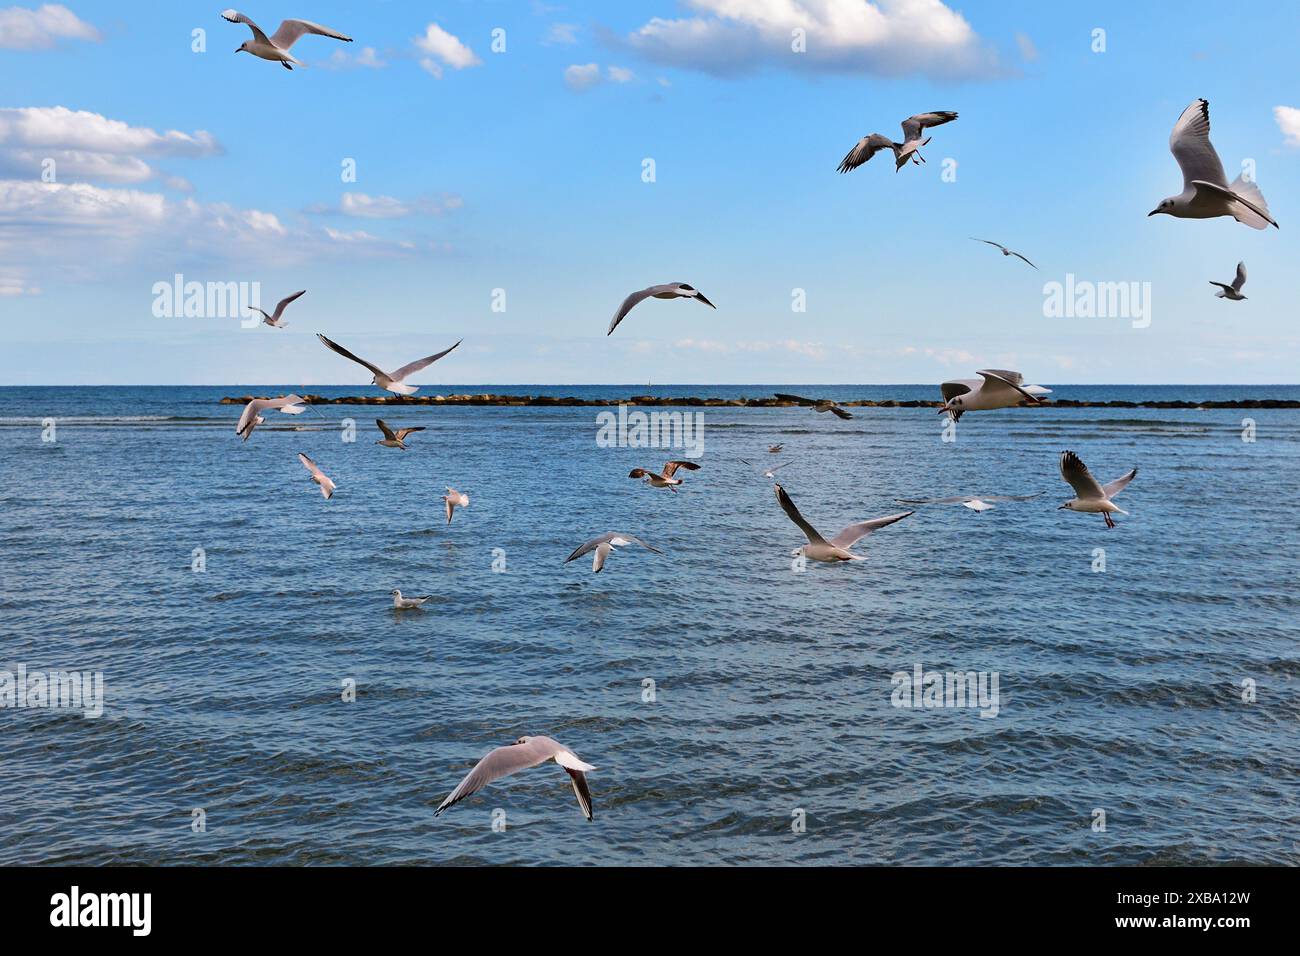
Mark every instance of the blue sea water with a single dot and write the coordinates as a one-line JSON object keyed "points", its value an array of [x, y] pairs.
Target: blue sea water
{"points": [[1120, 690]]}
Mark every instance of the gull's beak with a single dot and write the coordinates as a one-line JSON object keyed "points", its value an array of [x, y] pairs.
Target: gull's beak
{"points": [[1060, 508], [943, 409], [1152, 213]]}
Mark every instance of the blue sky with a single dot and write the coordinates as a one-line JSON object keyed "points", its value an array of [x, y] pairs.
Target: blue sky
{"points": [[511, 170]]}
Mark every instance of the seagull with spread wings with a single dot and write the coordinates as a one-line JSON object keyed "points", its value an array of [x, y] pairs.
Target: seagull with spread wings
{"points": [[996, 388], [252, 414], [1005, 250], [1090, 496], [524, 753], [973, 502], [913, 127], [395, 439], [669, 290], [816, 404], [452, 500], [392, 381], [326, 485], [603, 545], [273, 320], [836, 549], [1206, 193], [664, 479], [1232, 291], [276, 47]]}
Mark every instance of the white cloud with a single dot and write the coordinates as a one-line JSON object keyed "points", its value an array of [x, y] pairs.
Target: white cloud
{"points": [[368, 57], [1028, 52], [58, 127], [561, 33], [581, 76], [22, 28], [1288, 121], [439, 45], [365, 206], [12, 287], [620, 74], [886, 37]]}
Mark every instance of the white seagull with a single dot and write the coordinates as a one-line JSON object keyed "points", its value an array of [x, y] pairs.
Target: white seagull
{"points": [[913, 127], [837, 549], [395, 439], [453, 499], [1233, 291], [276, 47], [604, 544], [669, 290], [1206, 193], [392, 381], [274, 320], [524, 753], [776, 449], [252, 414], [318, 476], [665, 479], [1005, 250], [973, 502], [768, 472], [405, 603], [998, 388], [1091, 497]]}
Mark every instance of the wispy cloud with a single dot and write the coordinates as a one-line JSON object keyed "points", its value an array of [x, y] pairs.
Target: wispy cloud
{"points": [[365, 206], [561, 34], [367, 57], [443, 49], [583, 76], [24, 28]]}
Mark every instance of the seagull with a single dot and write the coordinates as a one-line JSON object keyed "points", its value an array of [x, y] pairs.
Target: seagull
{"points": [[1005, 250], [523, 753], [837, 549], [973, 502], [453, 499], [407, 603], [913, 126], [395, 439], [1091, 497], [276, 48], [666, 479], [998, 389], [274, 320], [1233, 291], [1206, 193], [775, 449], [817, 405], [605, 543], [768, 472], [252, 414], [318, 476], [392, 381], [669, 290]]}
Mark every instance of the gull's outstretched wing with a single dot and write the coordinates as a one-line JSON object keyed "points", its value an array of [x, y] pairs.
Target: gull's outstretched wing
{"points": [[1012, 497], [793, 514], [951, 390], [854, 532], [413, 367], [1112, 488], [1019, 256], [913, 126], [500, 763], [671, 467], [234, 16], [403, 432], [836, 411], [1191, 146], [632, 300], [291, 30], [1011, 380], [279, 306], [334, 346], [1074, 471], [1240, 280], [867, 147]]}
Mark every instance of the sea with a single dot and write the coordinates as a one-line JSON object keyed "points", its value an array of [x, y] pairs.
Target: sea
{"points": [[1021, 685]]}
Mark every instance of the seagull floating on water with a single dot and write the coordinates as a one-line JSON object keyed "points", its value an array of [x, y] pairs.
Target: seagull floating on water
{"points": [[817, 405], [973, 502], [452, 500], [1091, 497], [407, 604], [252, 414], [1206, 193], [392, 381], [665, 479], [913, 127], [998, 388], [395, 439], [837, 549], [524, 753], [273, 320], [669, 290], [775, 449], [1005, 250], [1232, 291], [276, 47], [603, 545], [318, 476]]}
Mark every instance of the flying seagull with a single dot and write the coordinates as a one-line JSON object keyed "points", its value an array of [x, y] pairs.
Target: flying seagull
{"points": [[669, 290], [837, 549], [523, 753], [973, 502], [768, 472], [775, 449], [817, 405], [998, 388], [665, 479], [1005, 250], [603, 544], [1232, 291], [274, 320], [1090, 496], [252, 414], [913, 126], [452, 500], [318, 476], [1206, 193], [395, 439], [276, 47], [392, 381], [407, 604]]}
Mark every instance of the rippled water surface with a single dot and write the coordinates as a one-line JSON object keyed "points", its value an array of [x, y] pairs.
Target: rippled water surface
{"points": [[1120, 690]]}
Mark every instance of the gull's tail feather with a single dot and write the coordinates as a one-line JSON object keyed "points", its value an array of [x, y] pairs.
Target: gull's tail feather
{"points": [[1253, 210]]}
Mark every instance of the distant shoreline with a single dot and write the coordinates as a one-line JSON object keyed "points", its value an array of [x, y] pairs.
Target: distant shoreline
{"points": [[694, 402]]}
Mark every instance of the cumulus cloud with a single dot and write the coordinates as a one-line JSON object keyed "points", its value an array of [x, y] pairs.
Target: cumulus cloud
{"points": [[1288, 121], [583, 76], [23, 28], [442, 49], [885, 37]]}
